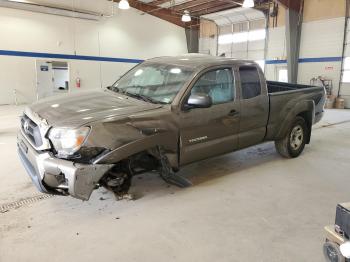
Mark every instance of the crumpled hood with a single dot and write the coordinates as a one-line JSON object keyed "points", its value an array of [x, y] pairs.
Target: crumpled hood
{"points": [[74, 110]]}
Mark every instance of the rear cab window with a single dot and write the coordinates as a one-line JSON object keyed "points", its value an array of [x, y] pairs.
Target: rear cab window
{"points": [[250, 82]]}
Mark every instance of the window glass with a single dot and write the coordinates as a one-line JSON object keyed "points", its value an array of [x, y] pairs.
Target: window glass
{"points": [[158, 82], [283, 75], [218, 84], [346, 63], [346, 72], [250, 82], [346, 76]]}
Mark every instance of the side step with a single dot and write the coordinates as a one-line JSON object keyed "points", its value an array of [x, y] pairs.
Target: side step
{"points": [[170, 176], [176, 180]]}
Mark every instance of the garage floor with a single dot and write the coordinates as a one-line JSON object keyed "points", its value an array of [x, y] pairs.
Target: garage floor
{"points": [[250, 205]]}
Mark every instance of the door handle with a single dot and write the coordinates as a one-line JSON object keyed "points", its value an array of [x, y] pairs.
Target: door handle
{"points": [[233, 112]]}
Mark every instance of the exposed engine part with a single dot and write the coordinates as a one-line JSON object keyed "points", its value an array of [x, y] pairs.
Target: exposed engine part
{"points": [[118, 179], [168, 175], [143, 162]]}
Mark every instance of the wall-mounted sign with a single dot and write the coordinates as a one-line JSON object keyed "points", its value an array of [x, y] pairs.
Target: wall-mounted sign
{"points": [[44, 68], [329, 68]]}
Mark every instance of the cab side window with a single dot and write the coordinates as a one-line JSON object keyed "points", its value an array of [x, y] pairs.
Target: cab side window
{"points": [[218, 84], [250, 81]]}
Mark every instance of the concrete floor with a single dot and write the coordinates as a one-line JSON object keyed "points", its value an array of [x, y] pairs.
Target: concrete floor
{"points": [[250, 205]]}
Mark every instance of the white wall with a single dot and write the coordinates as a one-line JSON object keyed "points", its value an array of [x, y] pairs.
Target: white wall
{"points": [[319, 39], [322, 38], [127, 35]]}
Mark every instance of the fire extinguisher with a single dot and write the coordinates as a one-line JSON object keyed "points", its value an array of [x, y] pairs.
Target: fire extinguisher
{"points": [[78, 82]]}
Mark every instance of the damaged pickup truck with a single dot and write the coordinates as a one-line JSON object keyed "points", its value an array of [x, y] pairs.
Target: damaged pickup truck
{"points": [[161, 115]]}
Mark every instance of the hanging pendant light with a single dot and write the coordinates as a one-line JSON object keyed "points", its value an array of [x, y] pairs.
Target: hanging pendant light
{"points": [[186, 17], [124, 4], [248, 3]]}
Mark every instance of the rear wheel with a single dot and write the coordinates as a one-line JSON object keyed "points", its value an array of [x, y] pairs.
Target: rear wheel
{"points": [[294, 142]]}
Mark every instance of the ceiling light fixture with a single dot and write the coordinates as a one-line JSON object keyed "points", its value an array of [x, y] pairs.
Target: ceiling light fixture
{"points": [[124, 4], [186, 17], [248, 3]]}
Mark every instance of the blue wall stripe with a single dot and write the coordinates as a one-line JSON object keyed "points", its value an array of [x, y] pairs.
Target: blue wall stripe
{"points": [[136, 61], [320, 59], [274, 62], [71, 57], [307, 60]]}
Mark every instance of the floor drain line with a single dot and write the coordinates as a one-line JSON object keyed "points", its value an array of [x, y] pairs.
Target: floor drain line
{"points": [[23, 202]]}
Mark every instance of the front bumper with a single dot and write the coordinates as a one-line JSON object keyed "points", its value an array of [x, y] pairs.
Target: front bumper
{"points": [[58, 176]]}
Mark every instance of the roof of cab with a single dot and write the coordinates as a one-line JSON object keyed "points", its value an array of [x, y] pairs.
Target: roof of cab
{"points": [[197, 60]]}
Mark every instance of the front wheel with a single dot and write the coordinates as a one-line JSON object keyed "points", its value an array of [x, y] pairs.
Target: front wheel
{"points": [[294, 142]]}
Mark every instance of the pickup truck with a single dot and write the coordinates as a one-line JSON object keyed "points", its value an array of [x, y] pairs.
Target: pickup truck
{"points": [[163, 114]]}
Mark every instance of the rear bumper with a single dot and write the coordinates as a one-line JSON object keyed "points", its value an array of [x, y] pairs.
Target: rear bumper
{"points": [[57, 176], [318, 117]]}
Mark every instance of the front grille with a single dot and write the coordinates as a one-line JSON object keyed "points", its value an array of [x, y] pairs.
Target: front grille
{"points": [[31, 130]]}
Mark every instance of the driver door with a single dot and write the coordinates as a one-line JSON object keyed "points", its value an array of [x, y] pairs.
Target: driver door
{"points": [[206, 132]]}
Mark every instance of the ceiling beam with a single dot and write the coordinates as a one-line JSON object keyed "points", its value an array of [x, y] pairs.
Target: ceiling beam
{"points": [[211, 5], [292, 4], [195, 3], [190, 4], [159, 2], [205, 11], [162, 13]]}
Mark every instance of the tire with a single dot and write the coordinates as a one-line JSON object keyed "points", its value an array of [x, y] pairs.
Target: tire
{"points": [[332, 253], [292, 145]]}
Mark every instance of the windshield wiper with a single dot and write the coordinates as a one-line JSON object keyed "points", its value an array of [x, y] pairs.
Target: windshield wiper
{"points": [[114, 89], [143, 97]]}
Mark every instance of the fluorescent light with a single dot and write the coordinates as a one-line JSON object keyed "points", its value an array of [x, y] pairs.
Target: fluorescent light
{"points": [[242, 37], [124, 4], [248, 3], [186, 17]]}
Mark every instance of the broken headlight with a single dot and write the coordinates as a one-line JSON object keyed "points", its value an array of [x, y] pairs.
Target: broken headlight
{"points": [[68, 141]]}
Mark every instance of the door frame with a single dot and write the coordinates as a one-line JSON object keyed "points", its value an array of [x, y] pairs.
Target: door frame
{"points": [[187, 92]]}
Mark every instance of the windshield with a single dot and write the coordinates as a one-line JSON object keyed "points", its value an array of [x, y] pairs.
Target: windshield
{"points": [[156, 83]]}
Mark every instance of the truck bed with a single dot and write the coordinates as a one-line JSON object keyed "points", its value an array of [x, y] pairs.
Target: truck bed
{"points": [[284, 98], [273, 87]]}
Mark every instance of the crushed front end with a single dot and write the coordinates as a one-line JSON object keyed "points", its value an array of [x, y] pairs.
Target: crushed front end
{"points": [[49, 173]]}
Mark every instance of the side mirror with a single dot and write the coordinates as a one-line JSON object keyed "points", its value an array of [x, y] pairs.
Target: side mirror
{"points": [[199, 101], [109, 87]]}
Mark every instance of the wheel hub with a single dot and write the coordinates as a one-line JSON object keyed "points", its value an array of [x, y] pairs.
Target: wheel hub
{"points": [[296, 137]]}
